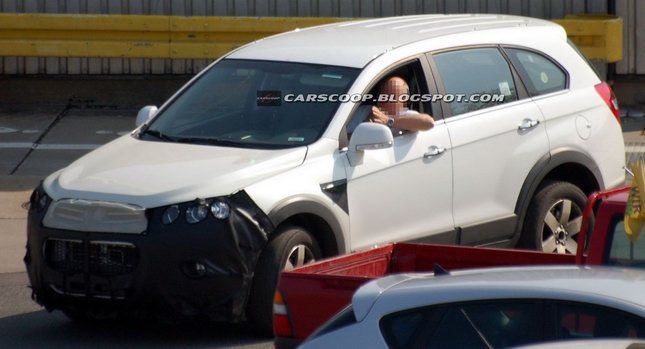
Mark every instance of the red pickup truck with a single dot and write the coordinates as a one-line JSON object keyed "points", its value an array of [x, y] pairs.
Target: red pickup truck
{"points": [[308, 296]]}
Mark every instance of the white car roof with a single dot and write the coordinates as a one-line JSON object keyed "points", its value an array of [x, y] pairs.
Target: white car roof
{"points": [[601, 285], [587, 344], [356, 43]]}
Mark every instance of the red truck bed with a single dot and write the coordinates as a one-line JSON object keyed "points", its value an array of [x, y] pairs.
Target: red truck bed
{"points": [[312, 294], [333, 282]]}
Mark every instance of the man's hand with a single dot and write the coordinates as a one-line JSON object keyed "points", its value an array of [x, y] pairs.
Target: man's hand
{"points": [[412, 122], [378, 116]]}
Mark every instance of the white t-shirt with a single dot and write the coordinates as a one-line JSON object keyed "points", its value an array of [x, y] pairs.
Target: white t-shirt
{"points": [[363, 113]]}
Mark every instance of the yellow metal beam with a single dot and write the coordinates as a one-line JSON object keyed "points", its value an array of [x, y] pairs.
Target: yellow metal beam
{"points": [[133, 36], [597, 36]]}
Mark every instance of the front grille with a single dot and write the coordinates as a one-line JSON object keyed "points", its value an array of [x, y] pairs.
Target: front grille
{"points": [[104, 258], [67, 256], [112, 258], [95, 216]]}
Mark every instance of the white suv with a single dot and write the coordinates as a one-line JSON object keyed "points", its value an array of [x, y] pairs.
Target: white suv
{"points": [[242, 173]]}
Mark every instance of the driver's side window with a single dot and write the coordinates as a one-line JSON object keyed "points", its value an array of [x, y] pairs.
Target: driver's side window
{"points": [[384, 98]]}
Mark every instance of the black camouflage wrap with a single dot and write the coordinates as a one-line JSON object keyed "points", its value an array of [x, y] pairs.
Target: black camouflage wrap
{"points": [[175, 271]]}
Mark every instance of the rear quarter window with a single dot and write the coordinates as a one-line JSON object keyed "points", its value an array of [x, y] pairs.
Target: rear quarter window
{"points": [[539, 74], [587, 321]]}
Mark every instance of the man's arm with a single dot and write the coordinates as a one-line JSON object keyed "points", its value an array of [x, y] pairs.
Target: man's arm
{"points": [[411, 122]]}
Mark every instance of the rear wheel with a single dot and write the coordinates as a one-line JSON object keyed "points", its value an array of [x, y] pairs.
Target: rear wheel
{"points": [[291, 248], [554, 218]]}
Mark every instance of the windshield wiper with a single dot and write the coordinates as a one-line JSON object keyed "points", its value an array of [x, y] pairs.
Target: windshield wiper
{"points": [[159, 135], [210, 141]]}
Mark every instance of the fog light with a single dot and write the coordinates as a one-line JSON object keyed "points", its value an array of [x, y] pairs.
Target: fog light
{"points": [[38, 199], [200, 269], [220, 210], [197, 213], [42, 202], [194, 269], [170, 214]]}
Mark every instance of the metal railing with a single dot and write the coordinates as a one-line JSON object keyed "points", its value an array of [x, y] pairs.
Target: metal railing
{"points": [[597, 36], [133, 36], [177, 37]]}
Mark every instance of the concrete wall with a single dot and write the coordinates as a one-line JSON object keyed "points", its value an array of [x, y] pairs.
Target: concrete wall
{"points": [[336, 8]]}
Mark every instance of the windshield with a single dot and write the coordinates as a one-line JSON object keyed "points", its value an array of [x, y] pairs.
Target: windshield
{"points": [[241, 103]]}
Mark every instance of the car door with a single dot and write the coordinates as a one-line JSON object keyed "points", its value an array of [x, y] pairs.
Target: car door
{"points": [[403, 192], [496, 140]]}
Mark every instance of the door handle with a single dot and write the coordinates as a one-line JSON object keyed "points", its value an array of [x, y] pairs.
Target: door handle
{"points": [[434, 151], [528, 124]]}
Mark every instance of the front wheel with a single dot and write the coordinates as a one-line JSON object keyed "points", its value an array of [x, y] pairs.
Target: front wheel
{"points": [[554, 218], [291, 248]]}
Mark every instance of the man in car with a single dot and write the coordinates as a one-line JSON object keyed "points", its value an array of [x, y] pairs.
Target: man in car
{"points": [[393, 112]]}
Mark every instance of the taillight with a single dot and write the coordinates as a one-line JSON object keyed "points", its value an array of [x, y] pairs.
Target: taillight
{"points": [[281, 322], [609, 97]]}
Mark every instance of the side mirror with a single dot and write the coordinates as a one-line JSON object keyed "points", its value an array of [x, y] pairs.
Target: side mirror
{"points": [[145, 114], [368, 136]]}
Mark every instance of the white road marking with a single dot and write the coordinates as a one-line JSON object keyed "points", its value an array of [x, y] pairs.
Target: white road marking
{"points": [[7, 130], [30, 131], [25, 145], [634, 151], [104, 132], [16, 145]]}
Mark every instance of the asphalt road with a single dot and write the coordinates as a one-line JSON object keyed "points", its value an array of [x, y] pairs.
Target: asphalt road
{"points": [[24, 324]]}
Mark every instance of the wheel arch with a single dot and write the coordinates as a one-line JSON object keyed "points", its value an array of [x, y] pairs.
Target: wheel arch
{"points": [[314, 216], [562, 164]]}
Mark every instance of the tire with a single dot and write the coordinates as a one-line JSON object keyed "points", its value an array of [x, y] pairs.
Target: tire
{"points": [[553, 219], [292, 247]]}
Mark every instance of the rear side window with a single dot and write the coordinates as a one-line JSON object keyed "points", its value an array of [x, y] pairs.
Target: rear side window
{"points": [[496, 324], [586, 321], [475, 74], [404, 329], [621, 250], [540, 74]]}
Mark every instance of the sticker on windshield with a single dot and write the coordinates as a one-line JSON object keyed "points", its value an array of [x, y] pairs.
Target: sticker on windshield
{"points": [[296, 139], [504, 88], [544, 77], [266, 98], [332, 76]]}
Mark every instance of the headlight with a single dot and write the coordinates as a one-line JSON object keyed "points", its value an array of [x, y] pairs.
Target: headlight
{"points": [[170, 214], [220, 209], [197, 212]]}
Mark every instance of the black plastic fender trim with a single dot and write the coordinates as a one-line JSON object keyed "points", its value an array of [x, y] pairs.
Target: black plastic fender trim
{"points": [[540, 170], [311, 205]]}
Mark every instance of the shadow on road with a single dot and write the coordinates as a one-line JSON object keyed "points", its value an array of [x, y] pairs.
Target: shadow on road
{"points": [[42, 329]]}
